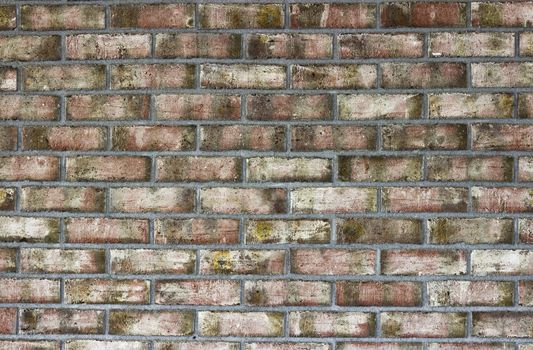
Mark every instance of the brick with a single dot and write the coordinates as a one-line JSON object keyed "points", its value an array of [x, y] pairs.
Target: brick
{"points": [[277, 169], [61, 321], [8, 79], [473, 346], [8, 19], [525, 169], [8, 138], [243, 200], [108, 168], [328, 200], [470, 293], [242, 137], [107, 107], [76, 199], [526, 44], [289, 107], [423, 325], [19, 107], [64, 138], [502, 262], [159, 199], [154, 138], [471, 105], [196, 231], [502, 200], [425, 199], [470, 168], [242, 76], [332, 15], [28, 345], [105, 230], [502, 14], [161, 322], [241, 16], [62, 260], [8, 321], [152, 76], [423, 262], [67, 77], [8, 259], [198, 169], [379, 168], [382, 45], [470, 231], [378, 231], [241, 324], [334, 76], [287, 346], [208, 45], [295, 46], [287, 293], [198, 107], [28, 229], [331, 324], [242, 262], [107, 46], [372, 106], [30, 48], [97, 291], [287, 231], [62, 17], [506, 74], [525, 105], [7, 199], [430, 137], [29, 168], [196, 345], [332, 262], [351, 293], [502, 324], [333, 137], [525, 230], [421, 14], [104, 345], [152, 16], [471, 44], [525, 290], [380, 346], [33, 290], [197, 292], [423, 75], [502, 137], [152, 261]]}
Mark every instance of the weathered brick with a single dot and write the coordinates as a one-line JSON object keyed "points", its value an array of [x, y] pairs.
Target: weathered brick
{"points": [[107, 107], [8, 79], [197, 345], [245, 16], [61, 321], [380, 45], [62, 260], [8, 17], [161, 322], [277, 169], [332, 261], [104, 345], [425, 199], [7, 199], [432, 137], [241, 324], [296, 46], [30, 48], [380, 346], [526, 44], [198, 107], [525, 169], [8, 321], [107, 46], [333, 200], [471, 44], [242, 137], [153, 138], [372, 106], [61, 17], [502, 199], [29, 345], [333, 137], [423, 75], [470, 293], [332, 15], [502, 324], [152, 76], [470, 231], [380, 168], [29, 168], [20, 107], [63, 138], [28, 229], [148, 16], [197, 292], [423, 262], [242, 76], [108, 168], [373, 230], [76, 199], [242, 262], [32, 290], [502, 262], [506, 74], [8, 138], [243, 200], [423, 324], [287, 293], [150, 261], [8, 259], [525, 105], [502, 14], [330, 76], [289, 107], [285, 346], [209, 45], [97, 291], [331, 324], [198, 169], [423, 14], [287, 231], [351, 293], [158, 199], [470, 168], [105, 230], [196, 231], [471, 105], [471, 346], [66, 77], [502, 137], [525, 228], [525, 290]]}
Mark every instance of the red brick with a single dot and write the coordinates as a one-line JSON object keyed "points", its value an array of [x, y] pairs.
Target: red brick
{"points": [[196, 345], [278, 169], [470, 293], [502, 324], [76, 199], [19, 107], [525, 290], [198, 107], [428, 137], [502, 199], [30, 48], [28, 229], [287, 293], [333, 137], [8, 19], [332, 15], [29, 168], [8, 259], [197, 292], [470, 168], [152, 261], [158, 199], [525, 169], [154, 138], [245, 16], [66, 77], [526, 230], [105, 230], [470, 231], [8, 79], [351, 293], [332, 262], [502, 14], [152, 76], [241, 324], [287, 231], [289, 107], [420, 14], [148, 16], [471, 346], [372, 106], [423, 75], [107, 107], [196, 231], [242, 262], [423, 262], [97, 291], [7, 198], [61, 17], [8, 138], [380, 346], [331, 324], [242, 76], [502, 137], [471, 106], [330, 76], [506, 74], [107, 46], [471, 44], [242, 137], [62, 260], [296, 46], [374, 230], [198, 169], [209, 45], [525, 105], [380, 168], [108, 168], [423, 325], [425, 199], [380, 45], [286, 346], [61, 321], [40, 291], [161, 322], [526, 44], [502, 262], [328, 200], [104, 345], [63, 138], [243, 200], [28, 345]]}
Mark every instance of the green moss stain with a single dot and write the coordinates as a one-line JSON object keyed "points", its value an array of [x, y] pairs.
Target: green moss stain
{"points": [[307, 324], [440, 231], [351, 231], [263, 231], [120, 322], [270, 16], [222, 262], [391, 327], [490, 14], [414, 106]]}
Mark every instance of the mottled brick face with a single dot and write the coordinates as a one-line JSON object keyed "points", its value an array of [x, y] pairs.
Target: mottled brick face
{"points": [[266, 175]]}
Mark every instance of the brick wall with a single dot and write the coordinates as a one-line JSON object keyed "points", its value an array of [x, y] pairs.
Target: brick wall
{"points": [[266, 176]]}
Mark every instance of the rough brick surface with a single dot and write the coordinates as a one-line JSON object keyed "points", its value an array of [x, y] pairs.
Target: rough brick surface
{"points": [[266, 175]]}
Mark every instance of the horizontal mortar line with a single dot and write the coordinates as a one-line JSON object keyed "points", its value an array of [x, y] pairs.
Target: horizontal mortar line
{"points": [[115, 2]]}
